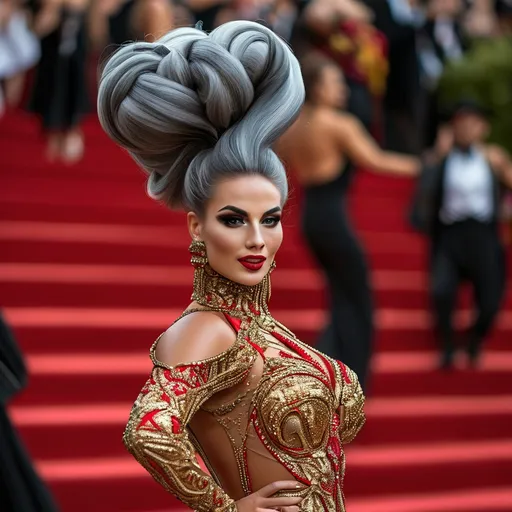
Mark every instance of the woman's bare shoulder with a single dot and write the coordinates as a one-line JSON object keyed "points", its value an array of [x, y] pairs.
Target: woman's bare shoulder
{"points": [[339, 119], [196, 336]]}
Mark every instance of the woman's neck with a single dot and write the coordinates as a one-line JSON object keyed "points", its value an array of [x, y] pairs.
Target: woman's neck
{"points": [[216, 292]]}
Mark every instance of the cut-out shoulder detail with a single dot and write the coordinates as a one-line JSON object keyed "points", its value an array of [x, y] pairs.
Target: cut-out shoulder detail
{"points": [[235, 385], [198, 336]]}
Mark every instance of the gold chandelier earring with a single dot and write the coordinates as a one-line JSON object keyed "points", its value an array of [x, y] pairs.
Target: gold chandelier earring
{"points": [[198, 256]]}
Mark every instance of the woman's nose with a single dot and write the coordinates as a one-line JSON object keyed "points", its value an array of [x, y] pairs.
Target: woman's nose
{"points": [[255, 239]]}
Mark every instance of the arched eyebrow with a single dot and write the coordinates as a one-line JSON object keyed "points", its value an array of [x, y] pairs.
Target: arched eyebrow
{"points": [[245, 214]]}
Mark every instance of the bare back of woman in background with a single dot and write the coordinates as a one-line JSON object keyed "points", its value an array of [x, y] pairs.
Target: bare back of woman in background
{"points": [[320, 149]]}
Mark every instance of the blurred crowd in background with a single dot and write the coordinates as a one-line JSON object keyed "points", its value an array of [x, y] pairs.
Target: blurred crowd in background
{"points": [[405, 64], [394, 54]]}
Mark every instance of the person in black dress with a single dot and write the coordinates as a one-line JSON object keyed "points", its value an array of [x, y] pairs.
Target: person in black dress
{"points": [[21, 489], [59, 94], [322, 149]]}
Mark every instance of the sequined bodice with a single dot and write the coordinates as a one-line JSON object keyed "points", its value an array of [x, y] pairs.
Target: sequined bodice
{"points": [[282, 408]]}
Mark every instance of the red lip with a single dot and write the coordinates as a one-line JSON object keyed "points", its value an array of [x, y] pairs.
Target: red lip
{"points": [[252, 262]]}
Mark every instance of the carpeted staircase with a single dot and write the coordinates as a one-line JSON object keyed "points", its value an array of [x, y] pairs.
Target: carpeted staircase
{"points": [[92, 270]]}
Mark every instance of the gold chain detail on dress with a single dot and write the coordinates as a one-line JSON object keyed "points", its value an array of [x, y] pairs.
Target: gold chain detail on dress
{"points": [[293, 408], [157, 431], [218, 293]]}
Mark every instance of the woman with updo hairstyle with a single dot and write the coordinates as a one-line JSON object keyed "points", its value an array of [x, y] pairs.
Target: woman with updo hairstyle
{"points": [[323, 149], [267, 414]]}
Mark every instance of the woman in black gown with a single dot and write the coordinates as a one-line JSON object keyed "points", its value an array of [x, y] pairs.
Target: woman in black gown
{"points": [[21, 488], [322, 149], [59, 94]]}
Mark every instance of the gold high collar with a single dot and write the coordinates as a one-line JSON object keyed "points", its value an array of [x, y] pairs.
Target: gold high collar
{"points": [[219, 293]]}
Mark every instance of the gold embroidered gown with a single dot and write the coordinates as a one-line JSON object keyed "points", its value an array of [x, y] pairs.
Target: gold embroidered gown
{"points": [[268, 408]]}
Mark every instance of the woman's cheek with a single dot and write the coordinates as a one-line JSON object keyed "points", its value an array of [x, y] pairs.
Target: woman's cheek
{"points": [[226, 241]]}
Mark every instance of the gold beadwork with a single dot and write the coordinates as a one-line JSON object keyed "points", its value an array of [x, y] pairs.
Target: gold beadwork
{"points": [[198, 256], [289, 394], [218, 293]]}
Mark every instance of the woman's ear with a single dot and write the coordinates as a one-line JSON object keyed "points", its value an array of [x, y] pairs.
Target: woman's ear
{"points": [[194, 225]]}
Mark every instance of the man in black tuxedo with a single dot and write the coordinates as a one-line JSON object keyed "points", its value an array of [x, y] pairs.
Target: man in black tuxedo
{"points": [[457, 205]]}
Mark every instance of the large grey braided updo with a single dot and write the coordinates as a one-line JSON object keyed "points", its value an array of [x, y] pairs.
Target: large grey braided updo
{"points": [[194, 108]]}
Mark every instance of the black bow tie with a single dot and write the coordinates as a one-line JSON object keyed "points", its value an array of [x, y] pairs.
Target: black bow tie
{"points": [[464, 150]]}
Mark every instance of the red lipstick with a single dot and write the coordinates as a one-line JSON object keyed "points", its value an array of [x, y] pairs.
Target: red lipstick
{"points": [[253, 263]]}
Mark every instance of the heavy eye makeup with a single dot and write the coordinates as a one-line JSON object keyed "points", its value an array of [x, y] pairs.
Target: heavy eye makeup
{"points": [[235, 217], [233, 221]]}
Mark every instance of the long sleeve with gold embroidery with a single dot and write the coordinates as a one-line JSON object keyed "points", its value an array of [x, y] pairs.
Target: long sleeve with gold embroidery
{"points": [[156, 433]]}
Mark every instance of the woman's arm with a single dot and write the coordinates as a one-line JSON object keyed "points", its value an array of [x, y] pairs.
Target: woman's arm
{"points": [[360, 147], [156, 434]]}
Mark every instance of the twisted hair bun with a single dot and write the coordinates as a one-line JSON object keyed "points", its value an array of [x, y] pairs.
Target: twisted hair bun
{"points": [[194, 108]]}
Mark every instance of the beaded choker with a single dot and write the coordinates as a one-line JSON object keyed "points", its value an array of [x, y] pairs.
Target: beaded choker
{"points": [[216, 292]]}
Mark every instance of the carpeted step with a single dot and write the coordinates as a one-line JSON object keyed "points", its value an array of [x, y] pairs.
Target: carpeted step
{"points": [[76, 378], [429, 467], [62, 389], [122, 493], [136, 214], [163, 286], [95, 430], [403, 469], [96, 188], [80, 251], [20, 207], [463, 500], [52, 329], [434, 442], [93, 339], [108, 295], [86, 210], [176, 236]]}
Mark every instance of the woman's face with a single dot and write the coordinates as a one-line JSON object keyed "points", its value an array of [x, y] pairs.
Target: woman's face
{"points": [[241, 228], [331, 89]]}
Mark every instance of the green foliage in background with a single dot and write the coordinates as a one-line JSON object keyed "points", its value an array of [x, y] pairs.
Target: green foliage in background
{"points": [[484, 75]]}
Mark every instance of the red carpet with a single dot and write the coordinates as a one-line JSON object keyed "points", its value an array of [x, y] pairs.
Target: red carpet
{"points": [[92, 271]]}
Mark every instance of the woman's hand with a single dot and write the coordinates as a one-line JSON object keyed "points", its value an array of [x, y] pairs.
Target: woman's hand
{"points": [[263, 500]]}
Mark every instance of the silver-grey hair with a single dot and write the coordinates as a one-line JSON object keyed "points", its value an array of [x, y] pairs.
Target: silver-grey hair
{"points": [[195, 108]]}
